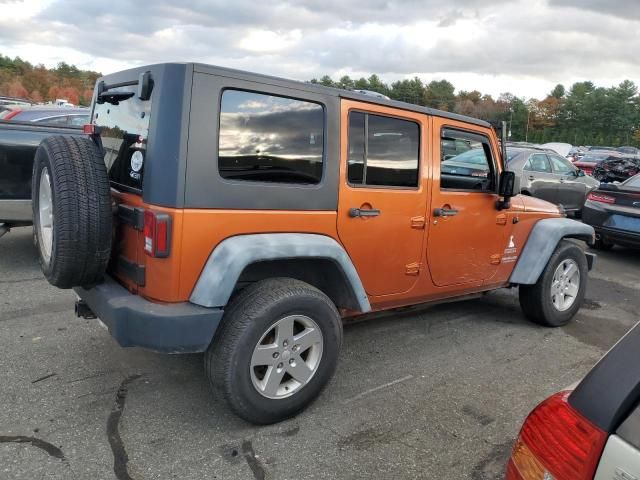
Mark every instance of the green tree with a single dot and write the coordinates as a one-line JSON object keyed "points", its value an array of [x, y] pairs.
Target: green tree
{"points": [[440, 94]]}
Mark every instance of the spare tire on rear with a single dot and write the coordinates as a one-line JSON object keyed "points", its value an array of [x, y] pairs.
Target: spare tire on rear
{"points": [[71, 211]]}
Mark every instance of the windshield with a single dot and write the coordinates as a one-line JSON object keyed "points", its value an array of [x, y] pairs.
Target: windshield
{"points": [[124, 132], [633, 182]]}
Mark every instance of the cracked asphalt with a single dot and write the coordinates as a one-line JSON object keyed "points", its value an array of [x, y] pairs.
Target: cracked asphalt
{"points": [[436, 394]]}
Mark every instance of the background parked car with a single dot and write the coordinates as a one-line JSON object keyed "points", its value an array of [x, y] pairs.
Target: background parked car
{"points": [[629, 150], [614, 213], [561, 149], [591, 158], [616, 169], [52, 115], [472, 163], [592, 432], [549, 176]]}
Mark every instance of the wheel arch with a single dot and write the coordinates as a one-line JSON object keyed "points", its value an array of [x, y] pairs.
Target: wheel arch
{"points": [[315, 259], [542, 242]]}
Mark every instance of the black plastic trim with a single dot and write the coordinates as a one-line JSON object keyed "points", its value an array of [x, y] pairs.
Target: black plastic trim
{"points": [[136, 322], [611, 389], [131, 216], [132, 270]]}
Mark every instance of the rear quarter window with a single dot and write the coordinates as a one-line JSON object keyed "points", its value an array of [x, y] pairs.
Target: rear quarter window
{"points": [[268, 138]]}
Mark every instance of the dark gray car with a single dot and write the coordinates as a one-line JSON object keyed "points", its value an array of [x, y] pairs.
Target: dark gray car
{"points": [[547, 175]]}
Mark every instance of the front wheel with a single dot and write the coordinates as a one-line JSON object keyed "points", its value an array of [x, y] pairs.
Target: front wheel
{"points": [[559, 292], [276, 349]]}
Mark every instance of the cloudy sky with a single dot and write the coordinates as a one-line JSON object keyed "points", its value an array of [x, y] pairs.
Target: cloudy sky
{"points": [[521, 46]]}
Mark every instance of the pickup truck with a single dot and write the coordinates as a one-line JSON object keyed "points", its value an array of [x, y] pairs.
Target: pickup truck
{"points": [[18, 144]]}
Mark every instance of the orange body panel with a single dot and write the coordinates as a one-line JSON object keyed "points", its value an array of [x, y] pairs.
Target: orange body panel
{"points": [[404, 256]]}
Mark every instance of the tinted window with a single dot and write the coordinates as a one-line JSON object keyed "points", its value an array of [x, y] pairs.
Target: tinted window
{"points": [[560, 165], [355, 157], [124, 131], [469, 170], [538, 162], [264, 138], [383, 151]]}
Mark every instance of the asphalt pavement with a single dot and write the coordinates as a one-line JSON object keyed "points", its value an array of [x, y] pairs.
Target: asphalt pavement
{"points": [[436, 394]]}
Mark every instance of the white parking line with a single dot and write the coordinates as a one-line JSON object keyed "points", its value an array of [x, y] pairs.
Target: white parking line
{"points": [[375, 389]]}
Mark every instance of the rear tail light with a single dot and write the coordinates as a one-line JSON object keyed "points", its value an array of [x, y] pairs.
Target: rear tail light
{"points": [[556, 443], [601, 197], [157, 234]]}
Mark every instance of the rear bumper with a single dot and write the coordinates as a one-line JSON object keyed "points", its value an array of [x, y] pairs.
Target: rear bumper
{"points": [[136, 322], [619, 236]]}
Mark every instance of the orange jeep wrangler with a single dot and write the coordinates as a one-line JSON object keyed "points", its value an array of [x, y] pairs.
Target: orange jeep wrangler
{"points": [[244, 216]]}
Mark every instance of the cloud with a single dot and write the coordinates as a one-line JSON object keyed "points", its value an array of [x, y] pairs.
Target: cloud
{"points": [[530, 43]]}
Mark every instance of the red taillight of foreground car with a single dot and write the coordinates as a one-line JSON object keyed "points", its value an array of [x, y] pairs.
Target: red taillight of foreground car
{"points": [[602, 198], [556, 443], [157, 234]]}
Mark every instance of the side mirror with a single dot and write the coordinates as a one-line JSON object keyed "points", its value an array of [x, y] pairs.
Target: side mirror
{"points": [[507, 188], [580, 173]]}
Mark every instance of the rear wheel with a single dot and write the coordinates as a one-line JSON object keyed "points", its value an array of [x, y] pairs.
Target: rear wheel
{"points": [[275, 350], [559, 292]]}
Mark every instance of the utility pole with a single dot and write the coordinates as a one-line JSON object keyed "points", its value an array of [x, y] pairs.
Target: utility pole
{"points": [[526, 135]]}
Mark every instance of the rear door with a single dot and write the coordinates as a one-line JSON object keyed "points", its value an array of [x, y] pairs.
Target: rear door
{"points": [[381, 210], [543, 183], [571, 192], [467, 235], [124, 131]]}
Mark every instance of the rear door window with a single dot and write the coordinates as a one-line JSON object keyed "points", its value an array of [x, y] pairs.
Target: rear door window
{"points": [[383, 151], [266, 138], [538, 162]]}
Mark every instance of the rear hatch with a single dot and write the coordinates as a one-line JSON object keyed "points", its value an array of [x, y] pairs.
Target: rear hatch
{"points": [[123, 121]]}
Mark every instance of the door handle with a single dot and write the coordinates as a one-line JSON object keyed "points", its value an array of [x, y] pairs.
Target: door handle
{"points": [[531, 177], [363, 212], [445, 212]]}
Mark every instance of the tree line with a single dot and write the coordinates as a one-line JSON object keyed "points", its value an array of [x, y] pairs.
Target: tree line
{"points": [[584, 114], [19, 78]]}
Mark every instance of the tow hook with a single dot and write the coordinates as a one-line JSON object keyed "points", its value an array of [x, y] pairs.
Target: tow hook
{"points": [[82, 310]]}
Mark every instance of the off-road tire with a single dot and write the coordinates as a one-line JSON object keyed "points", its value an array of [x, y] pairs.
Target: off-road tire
{"points": [[82, 212], [249, 315], [535, 300]]}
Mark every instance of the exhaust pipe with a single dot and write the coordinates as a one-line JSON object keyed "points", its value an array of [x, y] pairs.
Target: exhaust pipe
{"points": [[83, 311]]}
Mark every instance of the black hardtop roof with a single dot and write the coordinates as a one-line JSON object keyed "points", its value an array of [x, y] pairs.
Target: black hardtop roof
{"points": [[314, 88]]}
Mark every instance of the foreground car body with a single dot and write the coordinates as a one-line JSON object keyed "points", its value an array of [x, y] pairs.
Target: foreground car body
{"points": [[614, 212], [590, 433]]}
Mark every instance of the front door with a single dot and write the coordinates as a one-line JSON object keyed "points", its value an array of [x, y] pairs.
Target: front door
{"points": [[381, 212], [571, 191], [467, 235]]}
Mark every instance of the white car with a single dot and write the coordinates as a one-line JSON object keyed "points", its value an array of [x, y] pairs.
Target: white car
{"points": [[561, 149]]}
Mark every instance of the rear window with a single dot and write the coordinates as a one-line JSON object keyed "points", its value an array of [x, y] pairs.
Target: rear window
{"points": [[266, 138], [124, 132]]}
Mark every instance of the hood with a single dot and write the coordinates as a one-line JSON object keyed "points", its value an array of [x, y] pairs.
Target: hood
{"points": [[561, 149], [532, 204]]}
